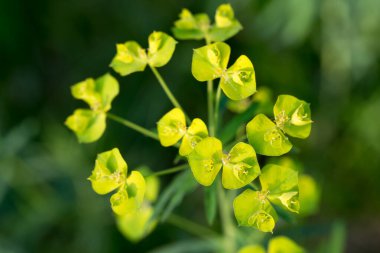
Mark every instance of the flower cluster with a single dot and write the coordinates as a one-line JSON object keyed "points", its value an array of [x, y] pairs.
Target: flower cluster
{"points": [[205, 152]]}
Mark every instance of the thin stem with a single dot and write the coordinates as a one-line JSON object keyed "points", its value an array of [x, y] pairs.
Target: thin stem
{"points": [[210, 106], [229, 145], [228, 227], [166, 89], [217, 103], [133, 126], [191, 227], [255, 186], [169, 171]]}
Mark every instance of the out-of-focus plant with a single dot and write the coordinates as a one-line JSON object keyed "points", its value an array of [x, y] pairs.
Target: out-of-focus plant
{"points": [[205, 149]]}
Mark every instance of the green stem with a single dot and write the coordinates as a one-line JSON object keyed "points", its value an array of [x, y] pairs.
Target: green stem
{"points": [[133, 126], [169, 171], [217, 103], [191, 227], [229, 145], [225, 215], [210, 106], [255, 186], [169, 94]]}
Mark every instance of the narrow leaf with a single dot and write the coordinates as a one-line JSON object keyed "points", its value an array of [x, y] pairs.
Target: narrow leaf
{"points": [[210, 202]]}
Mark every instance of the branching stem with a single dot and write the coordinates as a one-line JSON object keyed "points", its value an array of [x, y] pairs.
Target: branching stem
{"points": [[170, 171], [225, 215], [217, 108], [133, 126], [167, 91], [191, 227], [210, 106]]}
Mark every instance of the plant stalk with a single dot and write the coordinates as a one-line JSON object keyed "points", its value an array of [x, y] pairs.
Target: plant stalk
{"points": [[217, 108], [133, 126], [225, 216], [191, 227], [170, 171], [210, 107], [167, 91]]}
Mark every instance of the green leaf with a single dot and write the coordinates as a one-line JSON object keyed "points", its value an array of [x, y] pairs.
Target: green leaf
{"points": [[191, 26], [161, 49], [282, 244], [226, 25], [293, 116], [282, 184], [231, 128], [252, 249], [252, 209], [134, 226], [109, 172], [206, 160], [336, 240], [309, 195], [171, 127], [173, 194], [196, 132], [99, 93], [210, 202], [266, 138], [239, 81], [241, 166], [129, 58], [210, 61], [261, 103], [130, 196], [87, 125]]}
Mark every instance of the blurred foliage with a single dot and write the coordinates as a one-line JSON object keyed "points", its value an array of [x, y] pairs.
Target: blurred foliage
{"points": [[325, 52]]}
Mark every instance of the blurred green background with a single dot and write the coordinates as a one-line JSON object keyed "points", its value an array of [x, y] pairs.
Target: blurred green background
{"points": [[323, 51]]}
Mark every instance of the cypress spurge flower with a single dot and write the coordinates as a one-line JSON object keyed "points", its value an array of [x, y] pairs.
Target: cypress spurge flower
{"points": [[292, 117], [89, 124], [109, 174], [136, 225], [279, 244], [131, 57], [172, 128], [279, 186], [240, 165], [210, 62], [198, 26]]}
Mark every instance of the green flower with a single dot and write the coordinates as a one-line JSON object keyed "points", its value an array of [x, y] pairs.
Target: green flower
{"points": [[292, 117], [109, 174], [240, 165], [279, 186], [210, 62]]}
